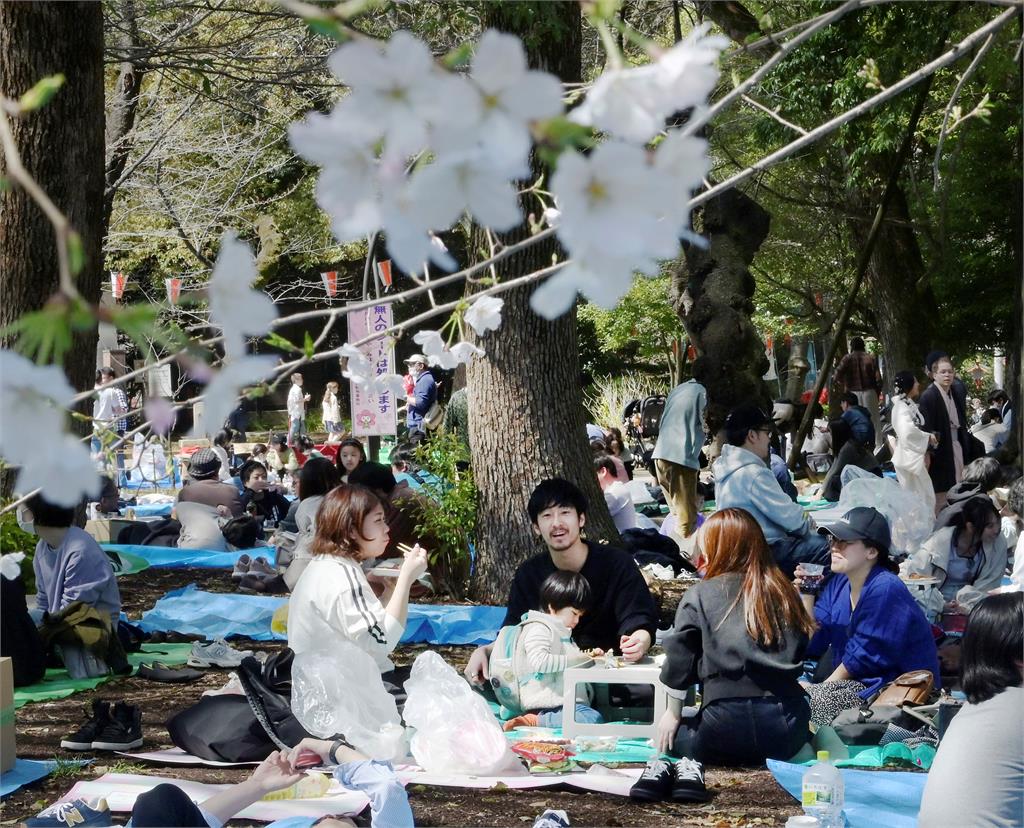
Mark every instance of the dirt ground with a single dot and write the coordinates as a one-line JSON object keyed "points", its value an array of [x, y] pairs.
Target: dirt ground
{"points": [[740, 797]]}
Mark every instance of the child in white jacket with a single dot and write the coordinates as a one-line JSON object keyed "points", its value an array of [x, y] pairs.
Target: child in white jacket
{"points": [[544, 649]]}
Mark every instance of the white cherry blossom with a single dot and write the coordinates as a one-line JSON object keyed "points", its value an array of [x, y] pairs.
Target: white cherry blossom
{"points": [[10, 565], [33, 403], [361, 371], [220, 396], [430, 341], [633, 103], [513, 96], [485, 314], [450, 358], [239, 310]]}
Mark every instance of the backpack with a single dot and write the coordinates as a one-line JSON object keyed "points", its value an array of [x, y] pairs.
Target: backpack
{"points": [[501, 668]]}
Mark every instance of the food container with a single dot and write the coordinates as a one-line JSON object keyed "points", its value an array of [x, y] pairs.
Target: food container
{"points": [[596, 744]]}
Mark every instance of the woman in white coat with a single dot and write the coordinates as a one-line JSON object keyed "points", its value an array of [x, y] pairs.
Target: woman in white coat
{"points": [[912, 441]]}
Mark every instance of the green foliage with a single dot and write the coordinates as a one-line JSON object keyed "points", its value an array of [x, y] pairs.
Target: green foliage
{"points": [[40, 94], [47, 335], [642, 329], [451, 521], [13, 539]]}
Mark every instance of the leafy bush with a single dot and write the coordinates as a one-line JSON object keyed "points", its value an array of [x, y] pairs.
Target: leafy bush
{"points": [[13, 539], [451, 523], [609, 395]]}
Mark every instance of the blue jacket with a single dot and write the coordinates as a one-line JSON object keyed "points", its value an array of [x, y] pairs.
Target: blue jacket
{"points": [[423, 396], [859, 420], [681, 431], [885, 636]]}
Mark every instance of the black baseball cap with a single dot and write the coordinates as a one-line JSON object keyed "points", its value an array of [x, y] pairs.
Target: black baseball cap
{"points": [[747, 417], [862, 523]]}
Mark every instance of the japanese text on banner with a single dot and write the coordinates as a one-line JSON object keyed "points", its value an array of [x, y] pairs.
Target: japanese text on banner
{"points": [[373, 414]]}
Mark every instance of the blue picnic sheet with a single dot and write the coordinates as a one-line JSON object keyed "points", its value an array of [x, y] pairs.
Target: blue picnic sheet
{"points": [[214, 615], [150, 509], [27, 771], [874, 799], [173, 557]]}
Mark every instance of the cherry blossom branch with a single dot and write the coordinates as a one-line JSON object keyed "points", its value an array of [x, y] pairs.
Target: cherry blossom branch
{"points": [[945, 129], [811, 137], [772, 114], [784, 50]]}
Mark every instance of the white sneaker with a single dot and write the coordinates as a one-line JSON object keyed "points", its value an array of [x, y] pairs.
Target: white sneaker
{"points": [[216, 654]]}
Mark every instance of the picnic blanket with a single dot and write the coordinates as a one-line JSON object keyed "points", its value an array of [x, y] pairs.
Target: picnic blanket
{"points": [[874, 799], [171, 557], [894, 755], [213, 615], [57, 684], [27, 771], [121, 789]]}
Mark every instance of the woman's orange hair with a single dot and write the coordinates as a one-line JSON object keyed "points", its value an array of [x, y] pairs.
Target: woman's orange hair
{"points": [[732, 541]]}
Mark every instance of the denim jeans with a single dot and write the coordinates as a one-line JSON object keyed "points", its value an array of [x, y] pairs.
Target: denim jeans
{"points": [[810, 548], [296, 428], [744, 731], [553, 716]]}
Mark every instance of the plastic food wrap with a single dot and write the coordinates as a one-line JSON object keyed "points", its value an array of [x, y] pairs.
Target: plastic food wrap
{"points": [[339, 690], [910, 519], [455, 731]]}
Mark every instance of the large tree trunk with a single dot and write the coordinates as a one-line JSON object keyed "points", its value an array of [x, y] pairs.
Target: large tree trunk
{"points": [[897, 287], [526, 419], [61, 146], [713, 291]]}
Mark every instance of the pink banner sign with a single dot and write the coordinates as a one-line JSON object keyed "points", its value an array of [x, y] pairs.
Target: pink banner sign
{"points": [[373, 415]]}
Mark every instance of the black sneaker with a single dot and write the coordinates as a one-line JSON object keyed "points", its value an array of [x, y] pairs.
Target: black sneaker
{"points": [[123, 731], [82, 738], [689, 784], [655, 783]]}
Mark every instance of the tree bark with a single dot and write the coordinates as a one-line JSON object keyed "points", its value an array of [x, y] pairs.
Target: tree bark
{"points": [[123, 107], [713, 292], [61, 146], [526, 417], [898, 291]]}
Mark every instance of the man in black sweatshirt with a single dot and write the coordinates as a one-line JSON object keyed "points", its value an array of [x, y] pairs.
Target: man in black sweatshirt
{"points": [[623, 615]]}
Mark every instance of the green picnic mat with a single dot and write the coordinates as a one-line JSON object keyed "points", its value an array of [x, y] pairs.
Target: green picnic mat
{"points": [[125, 563], [895, 754], [57, 684]]}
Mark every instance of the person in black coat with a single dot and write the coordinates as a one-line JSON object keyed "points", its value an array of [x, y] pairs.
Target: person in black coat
{"points": [[946, 461]]}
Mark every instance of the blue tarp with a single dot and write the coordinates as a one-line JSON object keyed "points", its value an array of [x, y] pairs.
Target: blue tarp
{"points": [[213, 615], [874, 799], [26, 771], [151, 509], [172, 557]]}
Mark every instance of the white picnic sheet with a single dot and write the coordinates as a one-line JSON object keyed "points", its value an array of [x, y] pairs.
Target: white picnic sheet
{"points": [[176, 756], [121, 790]]}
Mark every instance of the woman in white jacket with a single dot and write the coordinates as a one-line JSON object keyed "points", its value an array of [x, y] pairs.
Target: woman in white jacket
{"points": [[912, 442], [332, 601], [968, 557]]}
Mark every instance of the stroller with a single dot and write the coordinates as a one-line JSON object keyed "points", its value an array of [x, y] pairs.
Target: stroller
{"points": [[642, 420]]}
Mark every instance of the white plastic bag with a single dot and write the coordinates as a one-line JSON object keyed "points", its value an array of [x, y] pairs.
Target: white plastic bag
{"points": [[339, 690], [455, 731], [910, 519]]}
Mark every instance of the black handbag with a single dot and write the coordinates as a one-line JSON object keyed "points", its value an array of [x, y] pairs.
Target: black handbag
{"points": [[243, 728]]}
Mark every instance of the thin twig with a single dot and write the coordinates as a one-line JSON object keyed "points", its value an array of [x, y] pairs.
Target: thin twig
{"points": [[946, 129], [774, 115]]}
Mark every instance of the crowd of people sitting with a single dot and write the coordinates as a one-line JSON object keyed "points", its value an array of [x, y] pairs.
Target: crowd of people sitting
{"points": [[775, 592]]}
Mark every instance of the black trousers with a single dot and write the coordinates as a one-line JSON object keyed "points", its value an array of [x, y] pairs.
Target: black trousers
{"points": [[745, 731], [166, 806]]}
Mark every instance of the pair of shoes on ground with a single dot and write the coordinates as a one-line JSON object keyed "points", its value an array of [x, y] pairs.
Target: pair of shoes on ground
{"points": [[552, 819], [110, 726], [258, 566], [661, 781], [78, 813], [218, 653]]}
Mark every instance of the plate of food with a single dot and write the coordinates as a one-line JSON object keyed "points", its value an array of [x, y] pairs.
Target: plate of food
{"points": [[919, 580]]}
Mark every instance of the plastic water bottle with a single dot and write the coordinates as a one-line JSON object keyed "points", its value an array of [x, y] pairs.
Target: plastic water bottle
{"points": [[822, 794]]}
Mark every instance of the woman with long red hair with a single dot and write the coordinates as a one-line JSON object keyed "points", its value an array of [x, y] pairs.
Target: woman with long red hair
{"points": [[740, 633]]}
